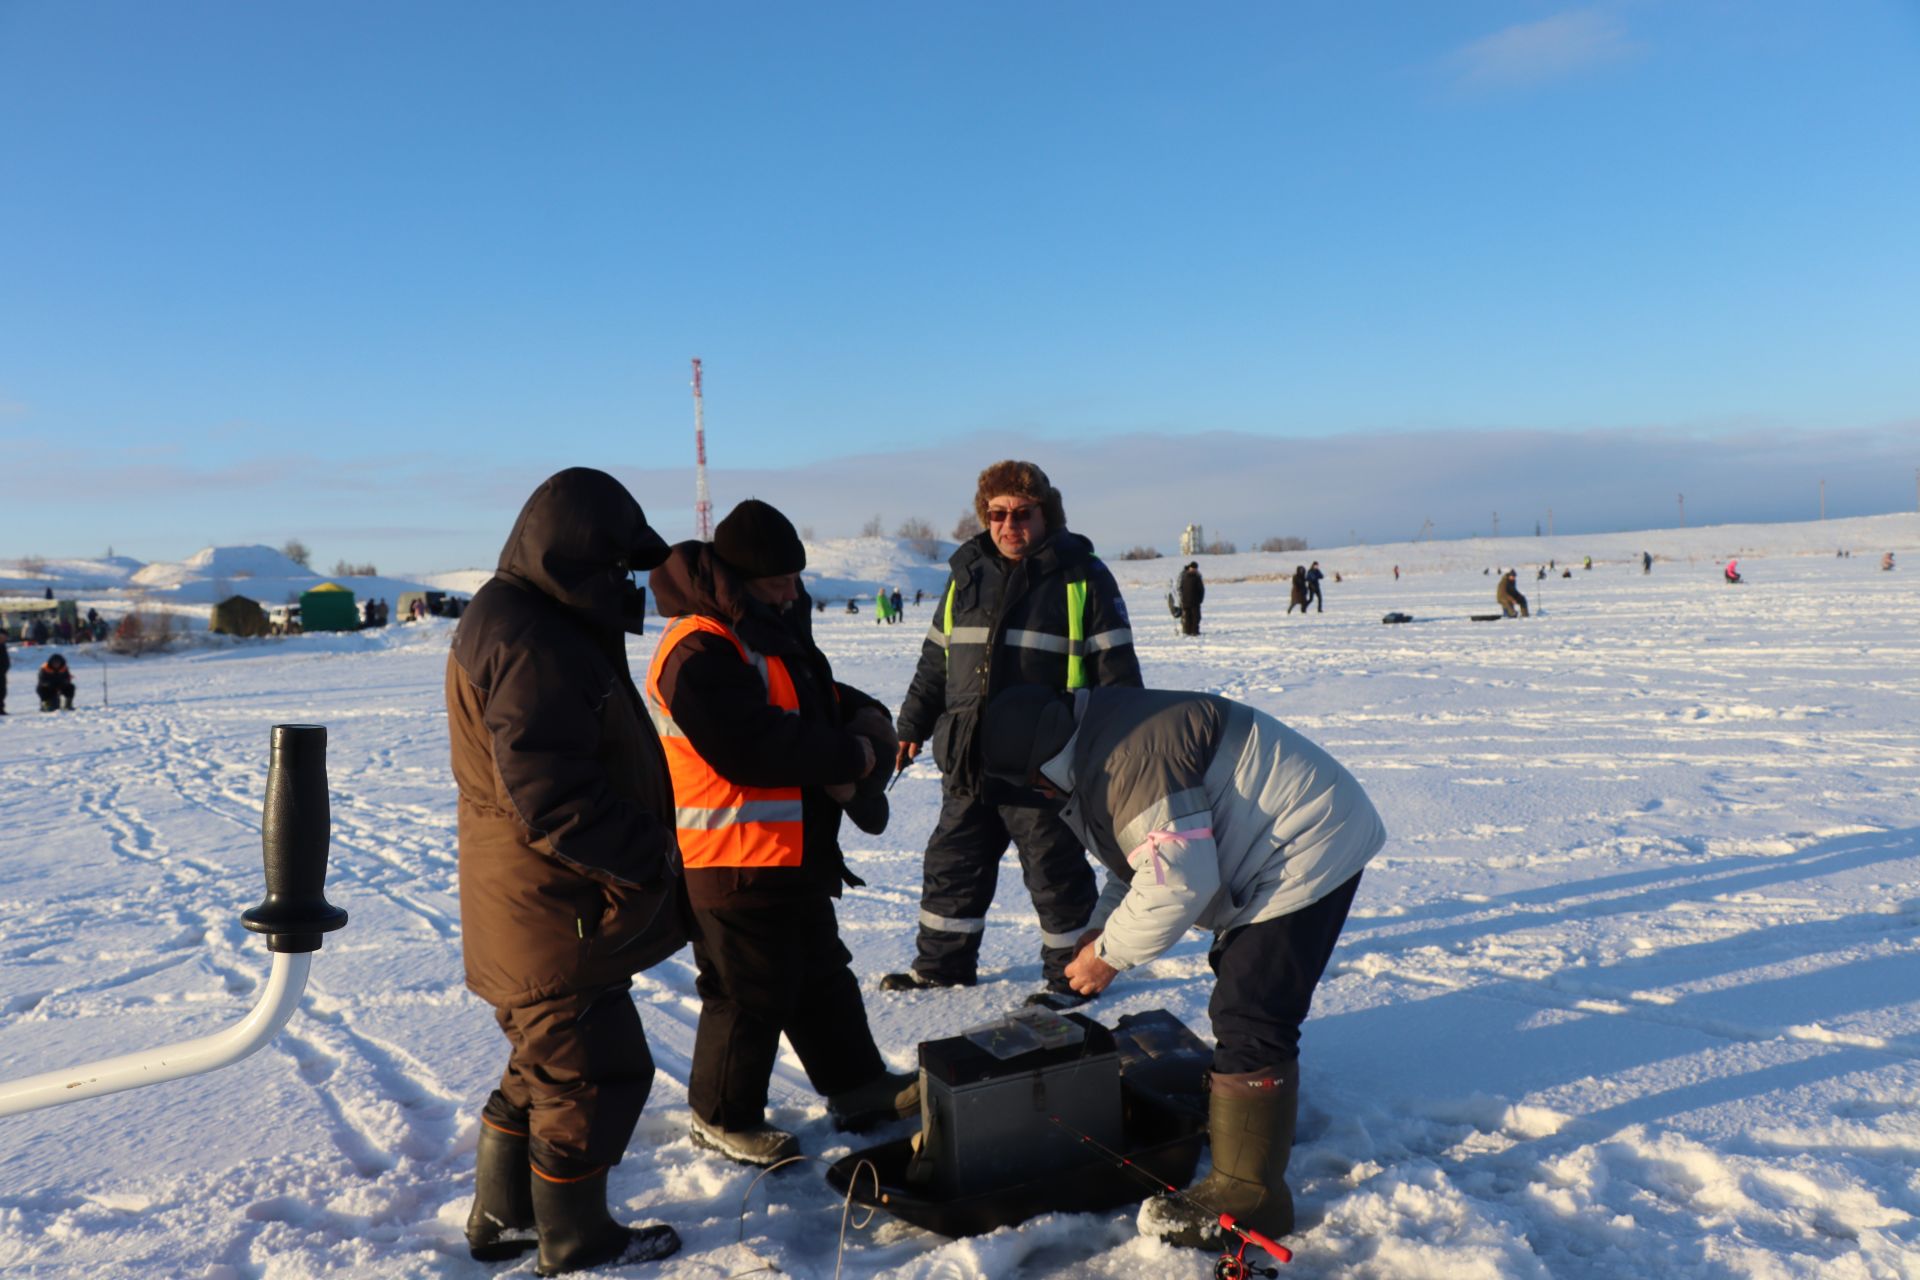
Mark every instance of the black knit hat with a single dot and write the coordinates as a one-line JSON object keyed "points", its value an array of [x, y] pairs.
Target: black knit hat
{"points": [[1025, 727], [756, 541]]}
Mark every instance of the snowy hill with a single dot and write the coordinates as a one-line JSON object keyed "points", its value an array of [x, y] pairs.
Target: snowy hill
{"points": [[858, 567], [221, 563], [66, 576], [460, 581], [187, 588]]}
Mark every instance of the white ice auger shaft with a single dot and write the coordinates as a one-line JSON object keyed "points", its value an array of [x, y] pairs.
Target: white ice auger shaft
{"points": [[294, 915], [188, 1058]]}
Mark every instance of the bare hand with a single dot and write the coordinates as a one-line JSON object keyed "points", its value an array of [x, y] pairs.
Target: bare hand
{"points": [[905, 755], [1089, 974]]}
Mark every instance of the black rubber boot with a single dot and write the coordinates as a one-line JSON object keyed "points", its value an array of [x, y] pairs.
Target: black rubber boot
{"points": [[1059, 999], [500, 1225], [884, 1098], [914, 980], [1250, 1124], [576, 1232], [759, 1144]]}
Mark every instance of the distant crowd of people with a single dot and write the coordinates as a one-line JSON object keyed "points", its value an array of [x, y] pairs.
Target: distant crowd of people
{"points": [[63, 629]]}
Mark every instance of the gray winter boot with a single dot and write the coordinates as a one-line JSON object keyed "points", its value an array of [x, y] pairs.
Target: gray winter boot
{"points": [[1250, 1123], [759, 1144], [885, 1097], [501, 1223], [576, 1232]]}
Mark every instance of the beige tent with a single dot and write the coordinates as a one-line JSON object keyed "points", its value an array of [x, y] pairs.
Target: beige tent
{"points": [[238, 616]]}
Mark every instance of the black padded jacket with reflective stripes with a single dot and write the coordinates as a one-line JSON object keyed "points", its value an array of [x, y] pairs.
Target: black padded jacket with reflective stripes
{"points": [[1005, 622]]}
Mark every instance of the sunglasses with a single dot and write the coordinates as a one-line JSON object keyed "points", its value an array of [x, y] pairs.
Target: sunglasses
{"points": [[1018, 515]]}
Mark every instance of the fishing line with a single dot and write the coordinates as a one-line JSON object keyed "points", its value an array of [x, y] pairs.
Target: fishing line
{"points": [[846, 1213], [1230, 1266]]}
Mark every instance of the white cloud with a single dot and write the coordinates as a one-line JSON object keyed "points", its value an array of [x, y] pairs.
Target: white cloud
{"points": [[1535, 53]]}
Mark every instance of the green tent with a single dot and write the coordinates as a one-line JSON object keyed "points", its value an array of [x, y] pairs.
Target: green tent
{"points": [[238, 616], [329, 607]]}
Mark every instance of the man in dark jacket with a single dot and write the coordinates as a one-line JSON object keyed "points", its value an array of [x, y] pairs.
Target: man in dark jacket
{"points": [[569, 873], [1192, 591], [5, 662], [766, 749], [55, 685], [1026, 603], [1313, 589]]}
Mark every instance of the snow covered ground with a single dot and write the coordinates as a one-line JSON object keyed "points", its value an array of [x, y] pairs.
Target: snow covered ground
{"points": [[1633, 991]]}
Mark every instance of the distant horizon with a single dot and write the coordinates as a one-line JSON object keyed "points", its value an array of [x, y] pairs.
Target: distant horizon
{"points": [[815, 536]]}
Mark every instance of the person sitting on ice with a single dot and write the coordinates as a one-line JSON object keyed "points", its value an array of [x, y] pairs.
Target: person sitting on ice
{"points": [[1886, 562], [1204, 812], [1733, 572], [55, 685]]}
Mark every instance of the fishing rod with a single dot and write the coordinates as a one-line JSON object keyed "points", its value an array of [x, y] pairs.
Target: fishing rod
{"points": [[1230, 1265]]}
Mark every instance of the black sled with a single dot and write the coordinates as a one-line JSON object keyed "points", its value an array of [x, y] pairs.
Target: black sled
{"points": [[1004, 1140]]}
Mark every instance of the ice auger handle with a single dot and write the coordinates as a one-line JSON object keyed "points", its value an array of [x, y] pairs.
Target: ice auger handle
{"points": [[296, 912], [293, 839]]}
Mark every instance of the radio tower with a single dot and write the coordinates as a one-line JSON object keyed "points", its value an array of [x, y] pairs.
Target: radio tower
{"points": [[702, 504]]}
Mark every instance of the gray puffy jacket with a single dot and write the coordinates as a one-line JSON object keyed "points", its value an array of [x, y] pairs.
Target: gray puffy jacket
{"points": [[1205, 812]]}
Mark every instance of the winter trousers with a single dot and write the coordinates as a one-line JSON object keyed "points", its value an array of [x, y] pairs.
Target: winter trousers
{"points": [[962, 870], [767, 970], [577, 1076], [1190, 619], [1265, 977]]}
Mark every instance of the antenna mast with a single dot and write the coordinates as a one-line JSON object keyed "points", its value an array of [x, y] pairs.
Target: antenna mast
{"points": [[702, 504]]}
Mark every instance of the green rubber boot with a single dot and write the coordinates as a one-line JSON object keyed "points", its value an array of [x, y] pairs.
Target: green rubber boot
{"points": [[1250, 1124]]}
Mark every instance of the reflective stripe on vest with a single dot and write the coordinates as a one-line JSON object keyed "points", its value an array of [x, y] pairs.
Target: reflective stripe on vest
{"points": [[1077, 634], [1074, 645], [720, 823]]}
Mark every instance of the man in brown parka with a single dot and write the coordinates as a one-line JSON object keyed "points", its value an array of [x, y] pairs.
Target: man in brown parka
{"points": [[569, 871]]}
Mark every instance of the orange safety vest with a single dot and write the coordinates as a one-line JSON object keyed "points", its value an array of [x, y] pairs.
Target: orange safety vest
{"points": [[721, 823]]}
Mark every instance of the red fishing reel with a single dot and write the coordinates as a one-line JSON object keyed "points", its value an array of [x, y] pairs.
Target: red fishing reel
{"points": [[1234, 1266]]}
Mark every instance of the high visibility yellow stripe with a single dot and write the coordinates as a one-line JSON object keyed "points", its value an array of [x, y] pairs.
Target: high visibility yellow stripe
{"points": [[946, 625], [1076, 634]]}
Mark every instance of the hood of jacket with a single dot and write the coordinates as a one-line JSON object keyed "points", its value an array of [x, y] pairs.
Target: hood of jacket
{"points": [[577, 539], [693, 579]]}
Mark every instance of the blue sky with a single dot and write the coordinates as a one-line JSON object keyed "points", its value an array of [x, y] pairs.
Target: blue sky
{"points": [[364, 273]]}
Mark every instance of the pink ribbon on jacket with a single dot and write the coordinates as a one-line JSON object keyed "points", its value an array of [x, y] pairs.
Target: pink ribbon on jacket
{"points": [[1157, 838]]}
